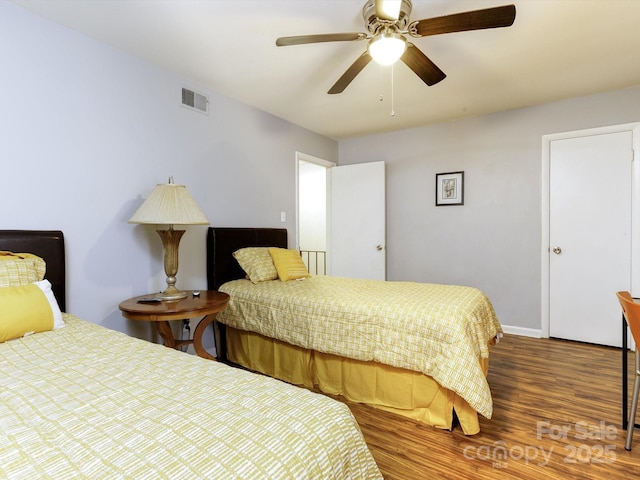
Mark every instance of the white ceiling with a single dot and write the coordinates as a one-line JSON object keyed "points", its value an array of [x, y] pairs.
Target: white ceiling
{"points": [[555, 49]]}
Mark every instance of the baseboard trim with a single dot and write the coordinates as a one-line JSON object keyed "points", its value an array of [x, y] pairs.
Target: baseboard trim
{"points": [[523, 332]]}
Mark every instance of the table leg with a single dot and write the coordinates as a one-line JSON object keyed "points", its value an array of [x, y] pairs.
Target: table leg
{"points": [[197, 337], [164, 330]]}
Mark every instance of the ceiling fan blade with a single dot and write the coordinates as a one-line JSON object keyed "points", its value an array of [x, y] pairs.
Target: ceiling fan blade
{"points": [[346, 78], [323, 37], [421, 65], [388, 9], [460, 22]]}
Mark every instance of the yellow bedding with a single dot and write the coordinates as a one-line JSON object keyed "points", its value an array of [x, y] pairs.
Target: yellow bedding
{"points": [[87, 402], [403, 392], [439, 330]]}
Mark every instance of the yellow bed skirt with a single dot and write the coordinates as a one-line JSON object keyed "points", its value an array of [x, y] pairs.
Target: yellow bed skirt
{"points": [[396, 390]]}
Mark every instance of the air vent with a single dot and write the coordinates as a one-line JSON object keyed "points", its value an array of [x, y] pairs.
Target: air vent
{"points": [[195, 100]]}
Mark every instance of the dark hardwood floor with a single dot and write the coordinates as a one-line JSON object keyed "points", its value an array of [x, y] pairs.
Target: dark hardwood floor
{"points": [[557, 414]]}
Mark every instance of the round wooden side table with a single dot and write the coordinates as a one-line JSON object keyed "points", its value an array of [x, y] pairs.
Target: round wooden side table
{"points": [[206, 304]]}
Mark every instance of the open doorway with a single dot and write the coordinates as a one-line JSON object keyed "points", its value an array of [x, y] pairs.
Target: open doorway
{"points": [[312, 190], [340, 217]]}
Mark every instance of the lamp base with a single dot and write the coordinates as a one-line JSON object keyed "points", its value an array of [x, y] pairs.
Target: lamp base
{"points": [[171, 294], [170, 241]]}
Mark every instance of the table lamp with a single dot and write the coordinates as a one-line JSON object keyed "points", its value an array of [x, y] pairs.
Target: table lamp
{"points": [[170, 204]]}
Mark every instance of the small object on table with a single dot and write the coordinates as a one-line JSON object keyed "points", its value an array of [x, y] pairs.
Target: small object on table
{"points": [[149, 300]]}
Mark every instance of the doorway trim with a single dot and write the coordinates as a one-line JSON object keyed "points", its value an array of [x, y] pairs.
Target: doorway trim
{"points": [[545, 252]]}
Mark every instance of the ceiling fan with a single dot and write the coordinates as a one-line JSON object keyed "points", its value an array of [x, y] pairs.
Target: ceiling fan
{"points": [[387, 22]]}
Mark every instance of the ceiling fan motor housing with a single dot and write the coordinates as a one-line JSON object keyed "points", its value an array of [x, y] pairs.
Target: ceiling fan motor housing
{"points": [[375, 24]]}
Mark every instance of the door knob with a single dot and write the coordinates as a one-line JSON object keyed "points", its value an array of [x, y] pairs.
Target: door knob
{"points": [[379, 247], [557, 250]]}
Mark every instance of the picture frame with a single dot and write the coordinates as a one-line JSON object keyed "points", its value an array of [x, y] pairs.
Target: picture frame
{"points": [[449, 189]]}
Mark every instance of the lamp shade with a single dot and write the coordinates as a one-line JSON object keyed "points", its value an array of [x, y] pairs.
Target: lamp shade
{"points": [[387, 48], [169, 204]]}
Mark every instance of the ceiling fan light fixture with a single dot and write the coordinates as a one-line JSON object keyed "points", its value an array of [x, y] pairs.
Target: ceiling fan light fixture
{"points": [[388, 9], [387, 48]]}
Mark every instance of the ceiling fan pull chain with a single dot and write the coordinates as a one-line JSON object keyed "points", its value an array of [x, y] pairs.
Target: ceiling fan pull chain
{"points": [[381, 70], [393, 113]]}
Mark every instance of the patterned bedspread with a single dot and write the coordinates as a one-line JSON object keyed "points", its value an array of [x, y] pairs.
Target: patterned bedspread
{"points": [[87, 402], [439, 330]]}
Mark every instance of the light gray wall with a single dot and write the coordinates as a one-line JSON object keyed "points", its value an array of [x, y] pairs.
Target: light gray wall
{"points": [[493, 242], [88, 131]]}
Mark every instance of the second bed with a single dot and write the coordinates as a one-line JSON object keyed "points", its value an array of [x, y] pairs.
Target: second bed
{"points": [[420, 350]]}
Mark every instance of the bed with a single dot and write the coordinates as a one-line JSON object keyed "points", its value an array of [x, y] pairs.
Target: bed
{"points": [[419, 350], [82, 401]]}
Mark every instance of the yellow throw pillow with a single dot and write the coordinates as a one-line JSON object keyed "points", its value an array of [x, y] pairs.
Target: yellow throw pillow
{"points": [[28, 309], [20, 269], [289, 264], [257, 263]]}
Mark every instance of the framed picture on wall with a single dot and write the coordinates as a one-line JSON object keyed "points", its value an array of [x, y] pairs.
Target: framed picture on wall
{"points": [[449, 188]]}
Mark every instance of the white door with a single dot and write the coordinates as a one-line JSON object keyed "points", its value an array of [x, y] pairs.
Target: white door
{"points": [[590, 200], [357, 221]]}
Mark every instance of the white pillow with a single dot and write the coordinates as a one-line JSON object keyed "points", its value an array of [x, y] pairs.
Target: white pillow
{"points": [[45, 286]]}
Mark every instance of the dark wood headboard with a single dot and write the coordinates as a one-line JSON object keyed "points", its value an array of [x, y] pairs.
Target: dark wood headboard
{"points": [[222, 242], [48, 245]]}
